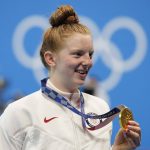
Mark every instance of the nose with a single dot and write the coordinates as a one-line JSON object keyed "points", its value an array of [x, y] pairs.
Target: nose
{"points": [[87, 61]]}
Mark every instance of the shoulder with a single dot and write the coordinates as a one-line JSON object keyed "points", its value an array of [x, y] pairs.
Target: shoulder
{"points": [[27, 100], [17, 114], [19, 108]]}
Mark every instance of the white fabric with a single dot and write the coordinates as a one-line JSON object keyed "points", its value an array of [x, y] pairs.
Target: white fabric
{"points": [[22, 125]]}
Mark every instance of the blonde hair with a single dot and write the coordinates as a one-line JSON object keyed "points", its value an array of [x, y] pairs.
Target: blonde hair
{"points": [[64, 22]]}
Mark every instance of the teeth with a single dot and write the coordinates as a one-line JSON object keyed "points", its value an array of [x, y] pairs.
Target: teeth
{"points": [[82, 71]]}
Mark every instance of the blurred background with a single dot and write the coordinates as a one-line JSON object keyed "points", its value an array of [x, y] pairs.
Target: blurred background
{"points": [[121, 32]]}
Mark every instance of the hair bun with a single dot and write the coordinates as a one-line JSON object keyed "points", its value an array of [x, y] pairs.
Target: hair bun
{"points": [[63, 15]]}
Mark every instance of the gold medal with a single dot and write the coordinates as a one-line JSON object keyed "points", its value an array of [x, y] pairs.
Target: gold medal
{"points": [[124, 116]]}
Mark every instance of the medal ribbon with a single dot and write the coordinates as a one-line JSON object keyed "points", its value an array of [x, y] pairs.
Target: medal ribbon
{"points": [[109, 116]]}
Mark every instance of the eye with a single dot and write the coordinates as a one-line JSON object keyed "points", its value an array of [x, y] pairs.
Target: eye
{"points": [[78, 53], [91, 54]]}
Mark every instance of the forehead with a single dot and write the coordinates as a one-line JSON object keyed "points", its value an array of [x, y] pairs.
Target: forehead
{"points": [[79, 41]]}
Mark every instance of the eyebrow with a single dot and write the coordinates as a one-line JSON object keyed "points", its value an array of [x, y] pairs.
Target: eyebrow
{"points": [[91, 51]]}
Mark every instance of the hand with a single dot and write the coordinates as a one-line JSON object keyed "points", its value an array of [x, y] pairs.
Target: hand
{"points": [[128, 139]]}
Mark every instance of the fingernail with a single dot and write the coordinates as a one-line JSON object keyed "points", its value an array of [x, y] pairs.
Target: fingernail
{"points": [[127, 130]]}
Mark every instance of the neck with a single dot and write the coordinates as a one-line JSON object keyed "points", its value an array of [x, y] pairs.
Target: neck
{"points": [[63, 87]]}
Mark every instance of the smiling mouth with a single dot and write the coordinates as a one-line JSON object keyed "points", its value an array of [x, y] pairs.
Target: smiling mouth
{"points": [[82, 71]]}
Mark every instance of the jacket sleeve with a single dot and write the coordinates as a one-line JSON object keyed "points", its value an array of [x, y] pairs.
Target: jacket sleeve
{"points": [[8, 126]]}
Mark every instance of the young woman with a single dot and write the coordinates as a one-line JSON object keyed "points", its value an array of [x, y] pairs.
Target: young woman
{"points": [[53, 117]]}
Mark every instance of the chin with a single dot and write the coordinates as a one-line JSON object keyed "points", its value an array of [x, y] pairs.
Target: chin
{"points": [[80, 83]]}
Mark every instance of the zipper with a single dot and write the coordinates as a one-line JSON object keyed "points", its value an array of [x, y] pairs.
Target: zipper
{"points": [[76, 142]]}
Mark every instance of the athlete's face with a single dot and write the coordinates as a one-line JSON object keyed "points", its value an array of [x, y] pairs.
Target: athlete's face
{"points": [[73, 62]]}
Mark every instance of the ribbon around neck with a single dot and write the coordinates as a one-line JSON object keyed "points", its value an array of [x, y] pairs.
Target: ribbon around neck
{"points": [[109, 116]]}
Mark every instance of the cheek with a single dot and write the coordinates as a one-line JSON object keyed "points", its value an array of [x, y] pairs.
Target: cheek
{"points": [[71, 63], [66, 67]]}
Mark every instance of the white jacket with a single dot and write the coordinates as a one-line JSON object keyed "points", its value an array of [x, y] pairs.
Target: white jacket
{"points": [[36, 122]]}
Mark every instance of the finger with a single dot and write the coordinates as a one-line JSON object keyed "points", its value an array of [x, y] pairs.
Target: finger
{"points": [[130, 142], [134, 123], [134, 136], [134, 126], [136, 129]]}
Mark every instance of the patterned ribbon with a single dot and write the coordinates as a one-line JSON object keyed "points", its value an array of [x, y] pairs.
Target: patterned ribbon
{"points": [[109, 116]]}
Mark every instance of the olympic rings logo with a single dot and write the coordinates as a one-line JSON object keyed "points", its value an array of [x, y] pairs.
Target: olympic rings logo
{"points": [[105, 49], [110, 53]]}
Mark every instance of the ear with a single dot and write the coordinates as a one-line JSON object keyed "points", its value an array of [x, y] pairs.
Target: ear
{"points": [[50, 58]]}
